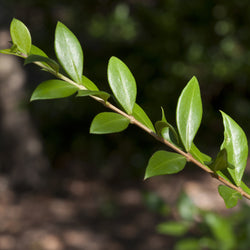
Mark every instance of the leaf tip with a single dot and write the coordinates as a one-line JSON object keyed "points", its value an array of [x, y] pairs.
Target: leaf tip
{"points": [[33, 98], [146, 176]]}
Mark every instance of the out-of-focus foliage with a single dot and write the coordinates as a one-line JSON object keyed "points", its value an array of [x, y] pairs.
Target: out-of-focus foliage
{"points": [[164, 43], [200, 229]]}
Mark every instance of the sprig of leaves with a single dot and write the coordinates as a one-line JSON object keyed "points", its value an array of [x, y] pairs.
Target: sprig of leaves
{"points": [[228, 166]]}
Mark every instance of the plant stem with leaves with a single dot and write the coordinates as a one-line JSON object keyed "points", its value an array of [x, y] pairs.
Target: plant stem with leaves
{"points": [[229, 164]]}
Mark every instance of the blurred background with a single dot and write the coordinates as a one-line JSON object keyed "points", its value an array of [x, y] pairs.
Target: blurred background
{"points": [[61, 188]]}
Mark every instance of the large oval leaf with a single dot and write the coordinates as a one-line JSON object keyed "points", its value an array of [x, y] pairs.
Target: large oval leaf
{"points": [[140, 115], [189, 113], [163, 162], [20, 36], [53, 89], [235, 142], [69, 52], [108, 122], [122, 83]]}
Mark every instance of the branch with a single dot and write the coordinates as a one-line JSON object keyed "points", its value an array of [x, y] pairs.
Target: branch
{"points": [[188, 156]]}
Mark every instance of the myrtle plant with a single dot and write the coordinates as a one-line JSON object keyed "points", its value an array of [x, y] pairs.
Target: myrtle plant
{"points": [[229, 164]]}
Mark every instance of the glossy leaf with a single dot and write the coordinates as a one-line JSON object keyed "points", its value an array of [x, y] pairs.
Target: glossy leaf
{"points": [[53, 89], [140, 115], [122, 84], [108, 122], [37, 58], [20, 36], [69, 52], [189, 113], [221, 161], [89, 84], [103, 95], [229, 195], [163, 162], [235, 142]]}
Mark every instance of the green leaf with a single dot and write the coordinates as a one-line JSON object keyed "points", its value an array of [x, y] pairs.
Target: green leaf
{"points": [[103, 95], [189, 113], [166, 130], [89, 84], [37, 51], [53, 89], [122, 84], [163, 162], [198, 155], [69, 52], [229, 196], [20, 36], [140, 115], [220, 161], [173, 228], [235, 142], [108, 122], [37, 58]]}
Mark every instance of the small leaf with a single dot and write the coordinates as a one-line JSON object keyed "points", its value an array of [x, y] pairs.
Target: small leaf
{"points": [[20, 36], [163, 162], [168, 135], [235, 142], [198, 155], [220, 161], [140, 115], [189, 113], [229, 196], [37, 51], [89, 84], [166, 130], [122, 84], [69, 52], [108, 122], [53, 89], [103, 95], [37, 58]]}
